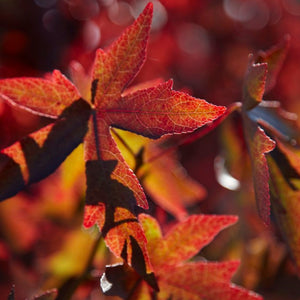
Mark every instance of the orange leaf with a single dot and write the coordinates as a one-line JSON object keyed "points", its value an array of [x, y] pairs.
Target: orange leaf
{"points": [[48, 97], [178, 279], [111, 185], [254, 84]]}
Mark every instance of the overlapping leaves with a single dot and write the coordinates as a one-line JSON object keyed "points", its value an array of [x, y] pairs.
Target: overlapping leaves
{"points": [[271, 135], [177, 278], [87, 113]]}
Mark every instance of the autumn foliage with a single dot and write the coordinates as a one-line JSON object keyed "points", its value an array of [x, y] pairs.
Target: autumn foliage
{"points": [[93, 188]]}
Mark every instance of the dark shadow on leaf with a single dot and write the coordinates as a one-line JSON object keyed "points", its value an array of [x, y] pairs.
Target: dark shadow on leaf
{"points": [[101, 188], [65, 135], [286, 169], [139, 264]]}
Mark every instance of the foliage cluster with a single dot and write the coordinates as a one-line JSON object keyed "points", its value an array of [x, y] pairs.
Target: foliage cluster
{"points": [[105, 140]]}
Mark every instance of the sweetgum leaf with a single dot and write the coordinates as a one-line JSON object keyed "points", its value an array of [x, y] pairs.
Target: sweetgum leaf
{"points": [[177, 278], [159, 110], [203, 280], [192, 235], [113, 191]]}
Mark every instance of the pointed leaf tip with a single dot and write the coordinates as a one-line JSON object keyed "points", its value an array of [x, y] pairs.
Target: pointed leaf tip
{"points": [[259, 144], [116, 67], [149, 6], [254, 83]]}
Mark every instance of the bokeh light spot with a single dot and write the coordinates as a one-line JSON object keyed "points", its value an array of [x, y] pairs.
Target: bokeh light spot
{"points": [[253, 14], [193, 39], [83, 9], [91, 35], [160, 15], [120, 13]]}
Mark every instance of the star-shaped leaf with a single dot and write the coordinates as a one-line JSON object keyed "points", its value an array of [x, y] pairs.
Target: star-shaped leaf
{"points": [[113, 191], [177, 278]]}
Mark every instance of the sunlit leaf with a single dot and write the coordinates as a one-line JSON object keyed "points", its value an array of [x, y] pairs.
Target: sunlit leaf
{"points": [[177, 278], [113, 190], [254, 84]]}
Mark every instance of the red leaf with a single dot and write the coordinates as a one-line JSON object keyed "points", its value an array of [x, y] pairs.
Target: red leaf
{"points": [[48, 97], [151, 112], [177, 278], [159, 110], [258, 145], [115, 68], [113, 190], [192, 235], [258, 142], [194, 280], [254, 84]]}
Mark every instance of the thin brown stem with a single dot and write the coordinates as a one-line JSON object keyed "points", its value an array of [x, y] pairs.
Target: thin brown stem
{"points": [[123, 142]]}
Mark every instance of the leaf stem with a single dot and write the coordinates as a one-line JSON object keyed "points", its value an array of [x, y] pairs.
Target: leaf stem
{"points": [[198, 133], [123, 142]]}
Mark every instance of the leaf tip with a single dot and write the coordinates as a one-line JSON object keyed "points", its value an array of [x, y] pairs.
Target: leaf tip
{"points": [[149, 7]]}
